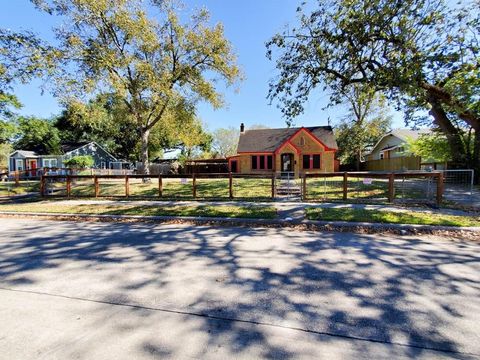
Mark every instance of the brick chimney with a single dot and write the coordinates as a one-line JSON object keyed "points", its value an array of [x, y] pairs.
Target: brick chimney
{"points": [[242, 128]]}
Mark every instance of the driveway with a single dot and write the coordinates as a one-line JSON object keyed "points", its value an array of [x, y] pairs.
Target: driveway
{"points": [[140, 291]]}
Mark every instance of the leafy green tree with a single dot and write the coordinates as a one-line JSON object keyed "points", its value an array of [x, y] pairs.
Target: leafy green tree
{"points": [[80, 162], [155, 65], [366, 121], [225, 141], [422, 53], [37, 135], [430, 147], [5, 151]]}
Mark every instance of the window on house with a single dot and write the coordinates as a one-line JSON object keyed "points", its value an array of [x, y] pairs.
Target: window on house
{"points": [[302, 141], [254, 162], [381, 156], [306, 161], [49, 163], [316, 161], [269, 162], [262, 161], [19, 165]]}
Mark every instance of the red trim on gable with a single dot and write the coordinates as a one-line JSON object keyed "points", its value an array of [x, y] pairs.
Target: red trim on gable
{"points": [[312, 136], [288, 142]]}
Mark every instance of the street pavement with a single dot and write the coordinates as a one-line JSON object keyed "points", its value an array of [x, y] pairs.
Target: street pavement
{"points": [[75, 290]]}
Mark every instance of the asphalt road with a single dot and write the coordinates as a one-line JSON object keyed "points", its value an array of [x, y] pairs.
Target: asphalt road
{"points": [[122, 291]]}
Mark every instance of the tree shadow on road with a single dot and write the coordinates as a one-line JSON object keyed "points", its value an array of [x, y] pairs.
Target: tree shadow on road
{"points": [[418, 293]]}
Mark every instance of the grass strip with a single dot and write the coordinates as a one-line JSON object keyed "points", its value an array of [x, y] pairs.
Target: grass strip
{"points": [[255, 212], [390, 217]]}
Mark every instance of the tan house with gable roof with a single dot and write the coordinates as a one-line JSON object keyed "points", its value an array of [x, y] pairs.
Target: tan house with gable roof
{"points": [[286, 150]]}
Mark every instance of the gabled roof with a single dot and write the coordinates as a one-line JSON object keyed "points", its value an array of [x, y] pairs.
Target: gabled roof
{"points": [[403, 134], [269, 140], [70, 146], [25, 153]]}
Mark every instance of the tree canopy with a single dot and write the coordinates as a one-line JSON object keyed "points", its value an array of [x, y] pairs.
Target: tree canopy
{"points": [[158, 65], [424, 54]]}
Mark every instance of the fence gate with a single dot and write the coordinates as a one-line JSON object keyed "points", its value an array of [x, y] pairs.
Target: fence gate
{"points": [[458, 185]]}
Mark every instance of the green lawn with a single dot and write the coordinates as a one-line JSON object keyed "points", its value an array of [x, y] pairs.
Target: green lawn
{"points": [[379, 216], [9, 188], [260, 212], [171, 188]]}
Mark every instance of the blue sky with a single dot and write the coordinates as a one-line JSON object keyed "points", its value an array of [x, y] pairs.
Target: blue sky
{"points": [[248, 25]]}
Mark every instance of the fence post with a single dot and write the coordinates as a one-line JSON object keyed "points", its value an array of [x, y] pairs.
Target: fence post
{"points": [[439, 188], [391, 187], [194, 185], [160, 186], [42, 186], [97, 187], [273, 186], [69, 185], [345, 185], [230, 185], [304, 186], [17, 178], [127, 186]]}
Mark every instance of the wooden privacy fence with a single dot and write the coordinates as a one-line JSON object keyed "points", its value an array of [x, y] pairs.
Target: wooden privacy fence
{"points": [[391, 179], [394, 164], [70, 179]]}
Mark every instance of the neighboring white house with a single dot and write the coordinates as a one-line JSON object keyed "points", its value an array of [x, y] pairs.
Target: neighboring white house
{"points": [[392, 144]]}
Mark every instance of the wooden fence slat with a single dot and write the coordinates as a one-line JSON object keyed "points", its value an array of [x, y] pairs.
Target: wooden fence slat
{"points": [[97, 186], [127, 186], [230, 186], [160, 186], [345, 185], [439, 189], [194, 186], [304, 187], [273, 186], [69, 185], [42, 186], [391, 187]]}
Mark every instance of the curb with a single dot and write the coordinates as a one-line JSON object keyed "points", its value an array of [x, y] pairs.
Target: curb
{"points": [[340, 226]]}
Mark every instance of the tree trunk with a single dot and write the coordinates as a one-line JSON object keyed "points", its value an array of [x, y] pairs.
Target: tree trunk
{"points": [[459, 155], [476, 156], [145, 134]]}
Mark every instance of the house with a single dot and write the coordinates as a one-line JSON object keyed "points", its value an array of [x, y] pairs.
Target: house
{"points": [[286, 150], [389, 152], [24, 160]]}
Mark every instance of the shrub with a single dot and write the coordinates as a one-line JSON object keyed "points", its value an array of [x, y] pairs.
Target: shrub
{"points": [[80, 162]]}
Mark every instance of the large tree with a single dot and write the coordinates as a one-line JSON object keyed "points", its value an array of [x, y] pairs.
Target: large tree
{"points": [[422, 53], [37, 135], [156, 64], [366, 121], [225, 141]]}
